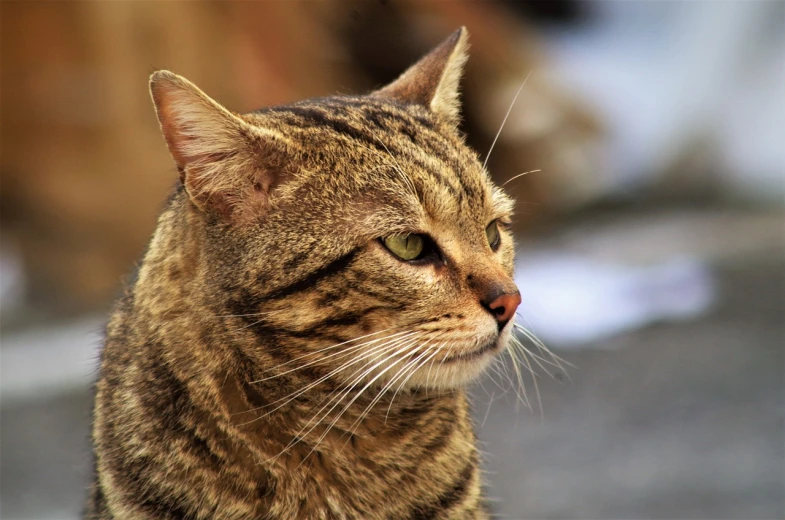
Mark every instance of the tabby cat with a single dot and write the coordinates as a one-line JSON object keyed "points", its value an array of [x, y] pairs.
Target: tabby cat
{"points": [[325, 281]]}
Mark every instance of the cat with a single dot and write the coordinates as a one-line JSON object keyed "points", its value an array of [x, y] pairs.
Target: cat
{"points": [[321, 287]]}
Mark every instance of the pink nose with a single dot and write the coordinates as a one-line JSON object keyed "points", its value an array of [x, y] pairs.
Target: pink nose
{"points": [[503, 307]]}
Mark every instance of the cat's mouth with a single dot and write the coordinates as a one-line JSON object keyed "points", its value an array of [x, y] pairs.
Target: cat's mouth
{"points": [[493, 346]]}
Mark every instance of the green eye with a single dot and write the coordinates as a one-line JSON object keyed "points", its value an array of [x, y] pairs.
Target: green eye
{"points": [[405, 247], [492, 233]]}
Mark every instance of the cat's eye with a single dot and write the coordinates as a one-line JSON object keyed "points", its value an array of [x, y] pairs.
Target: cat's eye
{"points": [[492, 233], [405, 247]]}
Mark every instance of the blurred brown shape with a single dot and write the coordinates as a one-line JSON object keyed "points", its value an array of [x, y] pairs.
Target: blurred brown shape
{"points": [[84, 168]]}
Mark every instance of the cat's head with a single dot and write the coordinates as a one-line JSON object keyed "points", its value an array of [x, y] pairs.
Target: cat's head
{"points": [[357, 235]]}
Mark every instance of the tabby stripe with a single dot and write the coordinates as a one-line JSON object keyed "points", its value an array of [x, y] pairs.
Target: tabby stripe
{"points": [[254, 393], [344, 319], [378, 107], [271, 336], [344, 127], [319, 117], [438, 177], [470, 191], [450, 498], [336, 266], [442, 438], [316, 116], [400, 117], [365, 285], [164, 508], [392, 301]]}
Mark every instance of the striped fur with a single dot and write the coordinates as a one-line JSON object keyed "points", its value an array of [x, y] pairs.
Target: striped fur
{"points": [[266, 292]]}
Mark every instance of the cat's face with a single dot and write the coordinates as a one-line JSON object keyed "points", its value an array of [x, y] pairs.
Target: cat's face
{"points": [[361, 235]]}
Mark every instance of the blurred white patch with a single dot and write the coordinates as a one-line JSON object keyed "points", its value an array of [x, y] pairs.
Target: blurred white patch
{"points": [[38, 363], [571, 300], [665, 76]]}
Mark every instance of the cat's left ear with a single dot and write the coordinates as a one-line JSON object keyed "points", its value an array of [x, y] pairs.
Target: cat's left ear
{"points": [[434, 81]]}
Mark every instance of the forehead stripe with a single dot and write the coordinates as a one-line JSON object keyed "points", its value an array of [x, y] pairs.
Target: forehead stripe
{"points": [[346, 117]]}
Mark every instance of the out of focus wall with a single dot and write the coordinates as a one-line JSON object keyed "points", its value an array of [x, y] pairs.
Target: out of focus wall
{"points": [[84, 168], [85, 171]]}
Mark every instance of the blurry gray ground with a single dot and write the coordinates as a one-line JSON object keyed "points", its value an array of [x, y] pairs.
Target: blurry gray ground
{"points": [[677, 421], [674, 421]]}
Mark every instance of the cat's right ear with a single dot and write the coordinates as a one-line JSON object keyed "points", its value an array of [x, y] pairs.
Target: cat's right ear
{"points": [[226, 165], [434, 81]]}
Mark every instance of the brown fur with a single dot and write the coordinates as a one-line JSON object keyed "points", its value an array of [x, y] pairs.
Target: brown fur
{"points": [[257, 366]]}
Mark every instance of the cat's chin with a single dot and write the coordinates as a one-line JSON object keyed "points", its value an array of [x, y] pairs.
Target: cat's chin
{"points": [[459, 370]]}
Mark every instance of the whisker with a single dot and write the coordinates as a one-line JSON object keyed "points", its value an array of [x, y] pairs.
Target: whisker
{"points": [[356, 380], [412, 372], [341, 353], [538, 359], [357, 376], [353, 427], [257, 322], [519, 176], [291, 397], [298, 437], [247, 315], [541, 346], [502, 372], [520, 389], [430, 368], [526, 361], [395, 165], [485, 162], [488, 411], [406, 178], [411, 368], [354, 399]]}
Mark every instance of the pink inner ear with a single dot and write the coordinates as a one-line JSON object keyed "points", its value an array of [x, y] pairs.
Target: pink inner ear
{"points": [[173, 138], [193, 125], [181, 140]]}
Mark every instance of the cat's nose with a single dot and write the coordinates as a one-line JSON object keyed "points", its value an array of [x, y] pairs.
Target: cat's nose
{"points": [[503, 305]]}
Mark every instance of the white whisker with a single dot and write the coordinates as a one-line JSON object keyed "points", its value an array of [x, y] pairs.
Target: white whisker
{"points": [[519, 176], [354, 399], [488, 411], [342, 353], [485, 162], [526, 361], [436, 349], [291, 397], [341, 395]]}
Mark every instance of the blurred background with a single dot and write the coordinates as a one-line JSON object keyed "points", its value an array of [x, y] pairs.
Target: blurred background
{"points": [[650, 224]]}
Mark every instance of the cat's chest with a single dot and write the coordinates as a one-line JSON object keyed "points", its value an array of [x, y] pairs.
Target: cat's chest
{"points": [[381, 469], [383, 478]]}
